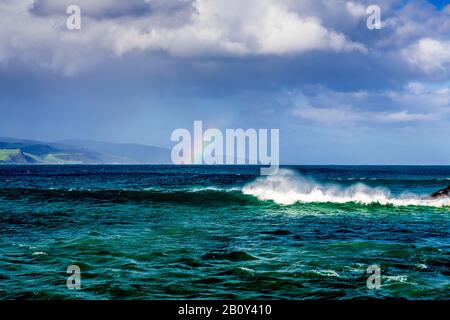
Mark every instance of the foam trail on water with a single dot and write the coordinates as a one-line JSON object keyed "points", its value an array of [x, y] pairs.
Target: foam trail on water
{"points": [[288, 187]]}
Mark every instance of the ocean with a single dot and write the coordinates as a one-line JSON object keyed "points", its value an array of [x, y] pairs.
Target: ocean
{"points": [[224, 232]]}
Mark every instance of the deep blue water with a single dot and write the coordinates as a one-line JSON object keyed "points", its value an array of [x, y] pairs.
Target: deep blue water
{"points": [[205, 232]]}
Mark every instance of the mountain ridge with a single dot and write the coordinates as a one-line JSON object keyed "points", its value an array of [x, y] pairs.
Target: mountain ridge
{"points": [[26, 151]]}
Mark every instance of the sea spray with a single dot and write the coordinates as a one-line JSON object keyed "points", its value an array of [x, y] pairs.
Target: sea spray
{"points": [[289, 187]]}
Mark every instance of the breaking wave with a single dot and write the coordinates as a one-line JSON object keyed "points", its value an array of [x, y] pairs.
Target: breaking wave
{"points": [[288, 187]]}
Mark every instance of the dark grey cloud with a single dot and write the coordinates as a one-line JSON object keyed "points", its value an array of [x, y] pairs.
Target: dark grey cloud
{"points": [[111, 9]]}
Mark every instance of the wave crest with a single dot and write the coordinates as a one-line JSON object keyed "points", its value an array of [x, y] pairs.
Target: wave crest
{"points": [[288, 187]]}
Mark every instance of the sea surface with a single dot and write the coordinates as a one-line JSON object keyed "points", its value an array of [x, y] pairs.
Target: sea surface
{"points": [[224, 232]]}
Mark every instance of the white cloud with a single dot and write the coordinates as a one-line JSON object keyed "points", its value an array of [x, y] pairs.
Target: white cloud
{"points": [[348, 116], [356, 9], [327, 116], [45, 41], [34, 31], [403, 116], [239, 28], [429, 54], [416, 103]]}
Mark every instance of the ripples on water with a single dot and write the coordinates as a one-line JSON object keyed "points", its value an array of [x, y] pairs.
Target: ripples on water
{"points": [[163, 232]]}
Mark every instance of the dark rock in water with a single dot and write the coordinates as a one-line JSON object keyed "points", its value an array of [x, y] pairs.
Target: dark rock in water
{"points": [[279, 232], [441, 193], [232, 256]]}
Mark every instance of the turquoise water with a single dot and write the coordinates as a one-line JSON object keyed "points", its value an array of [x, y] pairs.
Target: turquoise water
{"points": [[171, 232]]}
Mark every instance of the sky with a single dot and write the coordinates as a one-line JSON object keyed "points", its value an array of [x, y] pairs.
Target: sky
{"points": [[339, 92]]}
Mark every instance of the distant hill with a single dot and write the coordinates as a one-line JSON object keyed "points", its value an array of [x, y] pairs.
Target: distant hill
{"points": [[20, 151]]}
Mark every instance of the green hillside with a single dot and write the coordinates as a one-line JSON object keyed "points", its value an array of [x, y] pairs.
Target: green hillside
{"points": [[7, 155], [40, 154]]}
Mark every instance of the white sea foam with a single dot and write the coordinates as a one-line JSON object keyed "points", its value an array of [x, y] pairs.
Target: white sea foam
{"points": [[203, 189], [325, 273], [39, 253], [288, 187], [399, 278]]}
